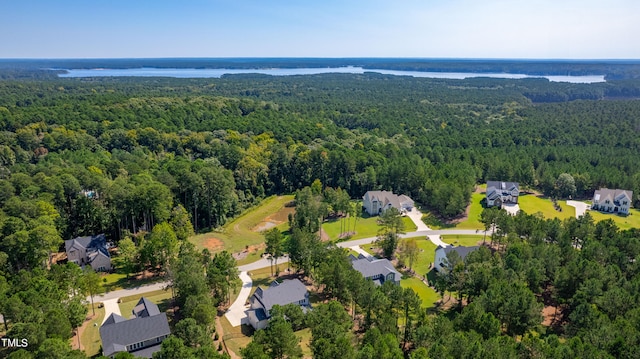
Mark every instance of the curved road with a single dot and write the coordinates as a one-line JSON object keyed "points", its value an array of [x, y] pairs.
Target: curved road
{"points": [[236, 313]]}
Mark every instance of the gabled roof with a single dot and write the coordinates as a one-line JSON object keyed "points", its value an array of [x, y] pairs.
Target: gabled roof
{"points": [[500, 186], [386, 198], [116, 336], [114, 318], [616, 195], [289, 291], [462, 251], [145, 308], [90, 243], [371, 268]]}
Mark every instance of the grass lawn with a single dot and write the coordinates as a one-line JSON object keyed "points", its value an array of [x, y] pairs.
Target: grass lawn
{"points": [[91, 336], [426, 256], [366, 226], [623, 222], [475, 208], [305, 340], [239, 233], [235, 338], [160, 297], [462, 240], [118, 280], [426, 294], [533, 204]]}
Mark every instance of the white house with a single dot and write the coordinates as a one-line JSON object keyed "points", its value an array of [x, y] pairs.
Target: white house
{"points": [[499, 193], [91, 250], [287, 292], [612, 200], [376, 202], [441, 262]]}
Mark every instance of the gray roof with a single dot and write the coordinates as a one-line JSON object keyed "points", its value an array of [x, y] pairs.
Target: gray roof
{"points": [[462, 251], [371, 268], [386, 197], [114, 318], [116, 333], [614, 195], [289, 291], [90, 243], [147, 352], [145, 308]]}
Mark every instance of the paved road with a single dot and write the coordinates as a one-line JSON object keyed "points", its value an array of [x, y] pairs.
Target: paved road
{"points": [[236, 313]]}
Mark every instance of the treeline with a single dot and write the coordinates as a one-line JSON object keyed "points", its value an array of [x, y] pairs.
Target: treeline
{"points": [[584, 275]]}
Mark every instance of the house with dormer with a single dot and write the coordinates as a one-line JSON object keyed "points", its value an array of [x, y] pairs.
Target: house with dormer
{"points": [[142, 335], [288, 292], [612, 200], [377, 270], [376, 202], [502, 193], [89, 250]]}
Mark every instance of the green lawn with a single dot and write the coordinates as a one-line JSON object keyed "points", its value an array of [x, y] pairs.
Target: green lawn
{"points": [[428, 296], [533, 204], [463, 240], [235, 338], [475, 208], [623, 222], [425, 257], [239, 233], [91, 336], [160, 297], [118, 280], [366, 226], [305, 341]]}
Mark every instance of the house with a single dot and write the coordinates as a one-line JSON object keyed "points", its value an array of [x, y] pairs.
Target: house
{"points": [[90, 250], [376, 202], [141, 335], [502, 193], [377, 270], [287, 292], [612, 200], [441, 261]]}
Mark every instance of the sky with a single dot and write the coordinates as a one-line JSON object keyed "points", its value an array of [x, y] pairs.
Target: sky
{"points": [[531, 29]]}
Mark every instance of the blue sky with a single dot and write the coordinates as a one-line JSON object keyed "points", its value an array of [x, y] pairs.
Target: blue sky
{"points": [[574, 29]]}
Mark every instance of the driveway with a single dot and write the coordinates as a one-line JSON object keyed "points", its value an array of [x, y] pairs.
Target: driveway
{"points": [[110, 306], [581, 207], [236, 314], [512, 209], [416, 217], [361, 251]]}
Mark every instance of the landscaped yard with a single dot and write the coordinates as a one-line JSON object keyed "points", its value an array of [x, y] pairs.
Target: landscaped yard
{"points": [[90, 338], [623, 222], [245, 230], [463, 240], [366, 226], [426, 293], [160, 297], [426, 256], [533, 204]]}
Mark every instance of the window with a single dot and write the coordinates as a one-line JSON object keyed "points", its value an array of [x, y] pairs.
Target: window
{"points": [[624, 203]]}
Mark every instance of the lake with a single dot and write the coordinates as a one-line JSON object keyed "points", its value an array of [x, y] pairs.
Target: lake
{"points": [[216, 73]]}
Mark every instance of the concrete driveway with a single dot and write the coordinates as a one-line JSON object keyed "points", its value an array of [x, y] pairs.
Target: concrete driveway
{"points": [[416, 217], [512, 209], [110, 306], [581, 207], [236, 314]]}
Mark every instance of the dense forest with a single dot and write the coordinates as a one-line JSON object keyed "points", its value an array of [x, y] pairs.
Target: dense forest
{"points": [[140, 158]]}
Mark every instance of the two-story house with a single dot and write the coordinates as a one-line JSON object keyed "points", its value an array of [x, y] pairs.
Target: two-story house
{"points": [[612, 200], [502, 193], [91, 250], [376, 202]]}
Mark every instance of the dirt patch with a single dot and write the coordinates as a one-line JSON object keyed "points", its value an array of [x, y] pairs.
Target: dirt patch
{"points": [[282, 216], [213, 244], [80, 332], [255, 248], [549, 315]]}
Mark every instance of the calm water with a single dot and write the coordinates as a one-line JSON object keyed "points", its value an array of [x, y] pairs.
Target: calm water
{"points": [[216, 73]]}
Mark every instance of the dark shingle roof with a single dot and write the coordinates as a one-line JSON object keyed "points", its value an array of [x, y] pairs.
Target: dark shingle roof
{"points": [[375, 267], [145, 308], [114, 318], [289, 291], [95, 243], [462, 251], [116, 336]]}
